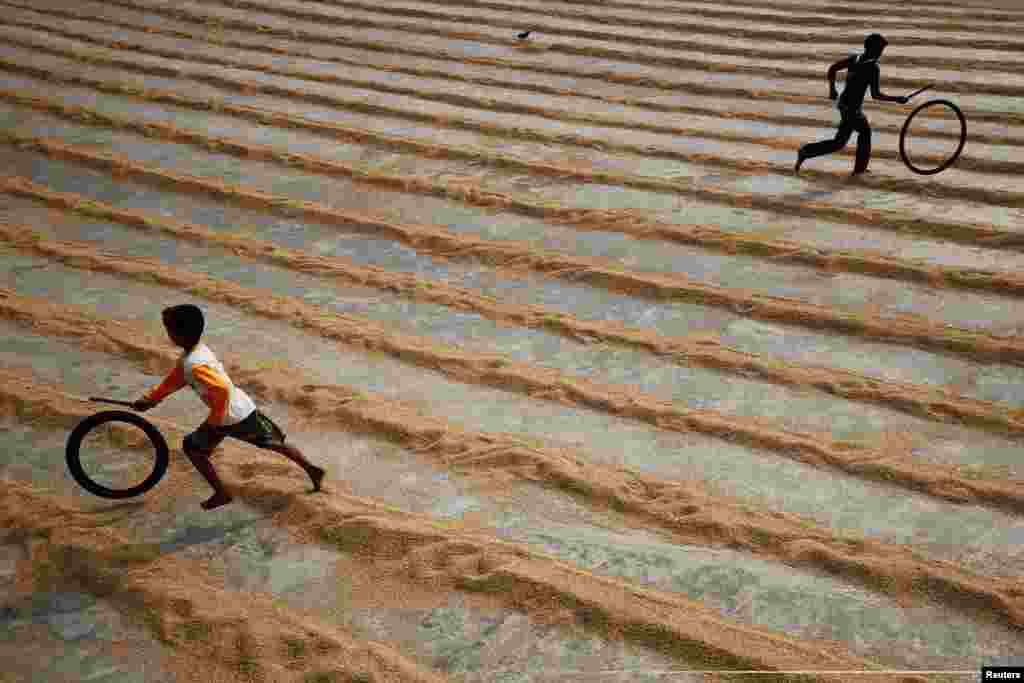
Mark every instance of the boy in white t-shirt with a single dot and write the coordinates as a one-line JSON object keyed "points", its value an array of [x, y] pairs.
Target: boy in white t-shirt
{"points": [[232, 412]]}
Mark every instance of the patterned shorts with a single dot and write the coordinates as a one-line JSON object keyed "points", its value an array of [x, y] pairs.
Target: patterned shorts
{"points": [[257, 429]]}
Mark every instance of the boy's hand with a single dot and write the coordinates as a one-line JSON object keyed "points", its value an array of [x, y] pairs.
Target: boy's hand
{"points": [[142, 405]]}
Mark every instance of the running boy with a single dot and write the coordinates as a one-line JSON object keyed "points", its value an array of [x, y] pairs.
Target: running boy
{"points": [[863, 72], [232, 412]]}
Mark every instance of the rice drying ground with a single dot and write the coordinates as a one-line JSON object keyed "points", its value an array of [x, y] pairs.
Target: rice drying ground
{"points": [[604, 391]]}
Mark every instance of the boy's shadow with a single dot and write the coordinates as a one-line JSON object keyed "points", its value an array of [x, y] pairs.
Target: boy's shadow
{"points": [[197, 535], [190, 535]]}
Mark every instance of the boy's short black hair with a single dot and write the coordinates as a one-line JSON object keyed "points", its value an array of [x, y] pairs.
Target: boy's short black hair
{"points": [[875, 43], [185, 321]]}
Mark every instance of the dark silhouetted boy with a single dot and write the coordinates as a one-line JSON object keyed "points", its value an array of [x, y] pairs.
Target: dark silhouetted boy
{"points": [[863, 73]]}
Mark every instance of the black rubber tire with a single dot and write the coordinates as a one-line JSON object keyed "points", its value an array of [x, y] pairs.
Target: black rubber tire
{"points": [[951, 160], [89, 423]]}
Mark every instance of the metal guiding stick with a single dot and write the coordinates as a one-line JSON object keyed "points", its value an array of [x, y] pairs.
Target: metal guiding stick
{"points": [[918, 92], [126, 404]]}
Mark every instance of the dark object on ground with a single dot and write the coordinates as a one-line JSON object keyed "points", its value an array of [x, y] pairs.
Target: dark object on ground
{"points": [[950, 160], [524, 35], [89, 423]]}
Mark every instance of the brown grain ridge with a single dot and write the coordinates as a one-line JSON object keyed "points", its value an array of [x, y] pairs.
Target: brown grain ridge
{"points": [[993, 196], [327, 38], [684, 508], [494, 370], [794, 119], [979, 234], [903, 328], [705, 236], [792, 33], [717, 11], [327, 18], [920, 401], [173, 598], [412, 547], [968, 163], [911, 10]]}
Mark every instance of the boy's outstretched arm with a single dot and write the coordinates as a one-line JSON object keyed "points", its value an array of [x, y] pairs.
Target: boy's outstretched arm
{"points": [[832, 71], [876, 92], [174, 381]]}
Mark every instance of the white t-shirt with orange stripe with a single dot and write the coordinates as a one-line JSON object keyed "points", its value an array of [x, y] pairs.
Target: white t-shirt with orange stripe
{"points": [[200, 369]]}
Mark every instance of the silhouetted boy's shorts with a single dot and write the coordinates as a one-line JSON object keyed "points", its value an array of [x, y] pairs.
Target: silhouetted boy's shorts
{"points": [[257, 429]]}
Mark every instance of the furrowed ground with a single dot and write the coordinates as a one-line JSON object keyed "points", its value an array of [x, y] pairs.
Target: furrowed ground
{"points": [[604, 391]]}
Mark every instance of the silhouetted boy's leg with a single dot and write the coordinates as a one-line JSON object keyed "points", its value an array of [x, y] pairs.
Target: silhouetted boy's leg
{"points": [[817, 149], [863, 144]]}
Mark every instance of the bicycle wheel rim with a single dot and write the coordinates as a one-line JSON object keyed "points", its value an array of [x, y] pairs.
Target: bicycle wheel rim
{"points": [[949, 161], [72, 453]]}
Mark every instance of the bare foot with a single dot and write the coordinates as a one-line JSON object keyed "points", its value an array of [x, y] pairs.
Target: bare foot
{"points": [[215, 501], [316, 475]]}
